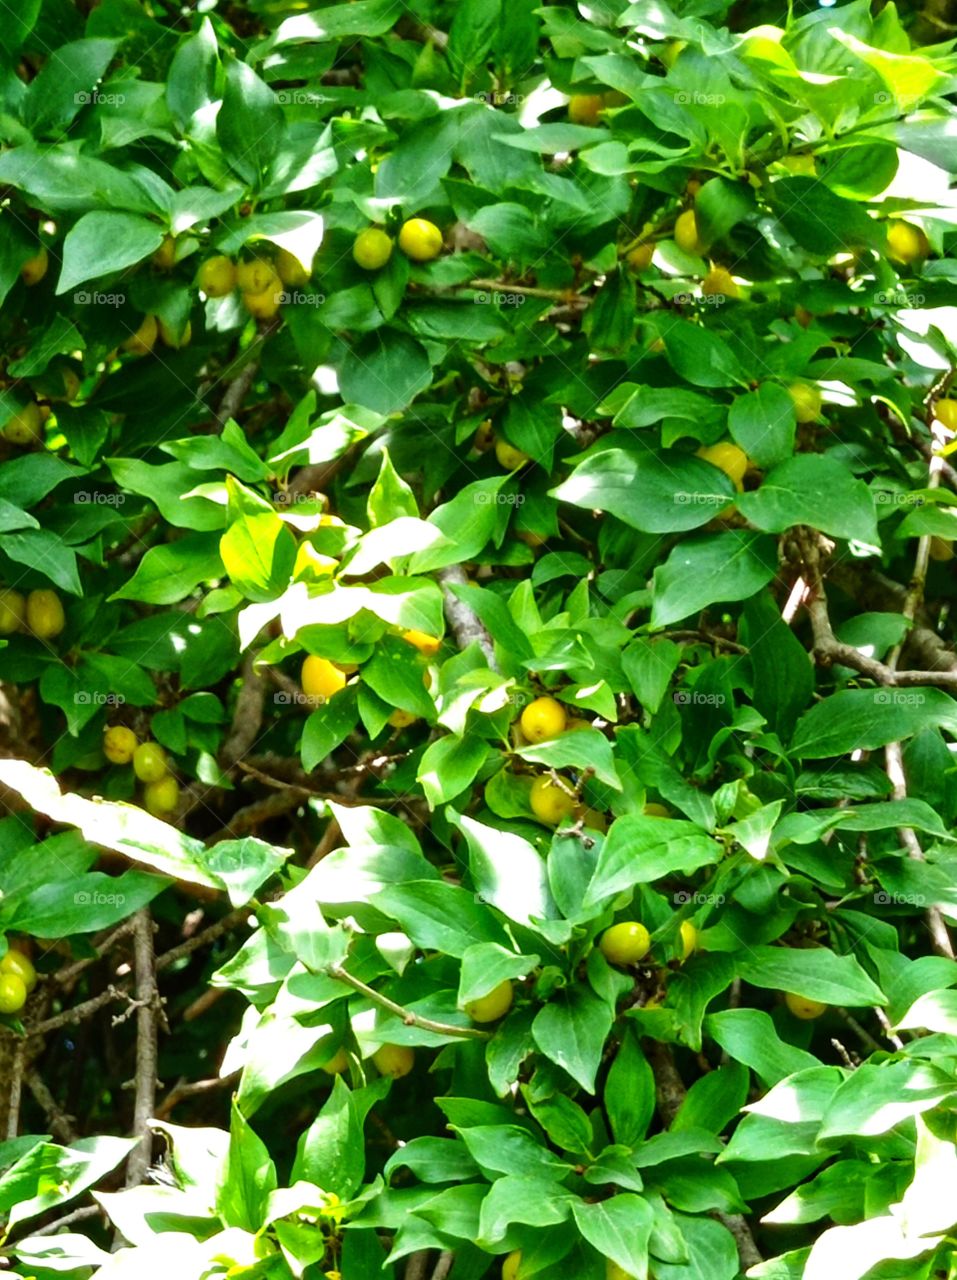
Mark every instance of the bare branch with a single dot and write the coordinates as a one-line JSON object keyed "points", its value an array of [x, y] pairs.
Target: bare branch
{"points": [[147, 999]]}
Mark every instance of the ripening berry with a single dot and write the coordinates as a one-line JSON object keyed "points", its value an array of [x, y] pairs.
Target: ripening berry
{"points": [[625, 943], [544, 718]]}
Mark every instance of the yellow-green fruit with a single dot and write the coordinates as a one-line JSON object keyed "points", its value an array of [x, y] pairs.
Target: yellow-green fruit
{"points": [[689, 939], [338, 1063], [686, 232], [640, 257], [400, 719], [119, 744], [807, 401], [543, 718], [484, 436], [803, 164], [802, 1007], [372, 249], [217, 276], [941, 549], [45, 616], [508, 456], [612, 1269], [263, 306], [550, 802], [727, 457], [35, 268], [584, 108], [625, 943], [574, 724], [13, 611], [395, 1060], [493, 1006], [424, 643], [25, 426], [290, 270], [175, 338], [142, 342], [13, 993], [654, 810], [161, 797], [906, 243], [511, 1265], [719, 281], [420, 239], [165, 256], [946, 412], [321, 678], [256, 275], [594, 820], [149, 762], [21, 966]]}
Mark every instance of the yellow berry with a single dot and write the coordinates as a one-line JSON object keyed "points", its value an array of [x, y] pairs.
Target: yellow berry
{"points": [[574, 724], [338, 1063], [372, 249], [321, 678], [142, 342], [13, 993], [906, 243], [149, 762], [550, 802], [941, 549], [946, 412], [263, 306], [290, 270], [802, 1007], [25, 426], [654, 810], [119, 744], [719, 282], [420, 239], [511, 1265], [804, 164], [584, 108], [508, 456], [21, 966], [491, 1007], [35, 268], [424, 643], [165, 256], [625, 943], [217, 276], [13, 611], [640, 257], [727, 457], [484, 437], [175, 338], [256, 275], [686, 232], [594, 820], [395, 1060], [543, 718], [400, 719], [689, 939], [45, 616], [161, 797], [807, 401]]}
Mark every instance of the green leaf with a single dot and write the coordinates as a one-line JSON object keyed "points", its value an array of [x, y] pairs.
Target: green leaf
{"points": [[639, 850], [700, 356], [249, 1176], [42, 550], [104, 242], [487, 964], [439, 916], [449, 765], [84, 904], [663, 492], [619, 1228], [814, 490], [715, 567], [501, 1148], [866, 719], [586, 749], [570, 1031], [331, 1153], [191, 83], [257, 549], [629, 1095], [507, 872], [250, 123], [384, 371], [814, 972], [65, 85], [762, 422], [783, 675], [171, 572], [243, 866], [48, 1175], [327, 727], [877, 1097]]}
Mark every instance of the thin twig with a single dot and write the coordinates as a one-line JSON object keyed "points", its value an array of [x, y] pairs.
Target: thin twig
{"points": [[192, 1088], [60, 1124], [16, 1088], [407, 1016], [147, 999]]}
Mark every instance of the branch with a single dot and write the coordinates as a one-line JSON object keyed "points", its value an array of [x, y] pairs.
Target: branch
{"points": [[190, 1089], [147, 1000], [465, 623], [61, 1124], [248, 367], [16, 1088], [407, 1016], [671, 1093]]}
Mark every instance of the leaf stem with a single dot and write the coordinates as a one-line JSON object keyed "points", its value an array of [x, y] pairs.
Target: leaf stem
{"points": [[408, 1017]]}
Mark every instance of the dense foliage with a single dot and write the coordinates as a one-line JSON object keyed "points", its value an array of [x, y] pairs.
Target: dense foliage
{"points": [[477, 727]]}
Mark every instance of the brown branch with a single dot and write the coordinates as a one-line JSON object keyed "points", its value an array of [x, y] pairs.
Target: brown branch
{"points": [[147, 1013], [247, 717], [465, 623], [17, 1068], [60, 1124], [184, 1089], [246, 366], [202, 939]]}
